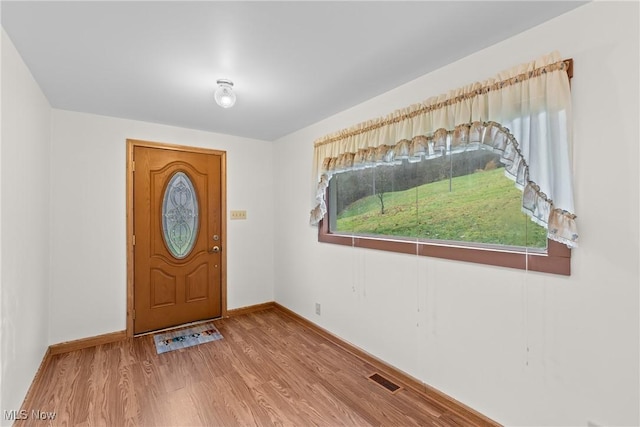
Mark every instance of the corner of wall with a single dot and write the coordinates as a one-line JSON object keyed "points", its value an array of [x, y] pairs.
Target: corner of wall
{"points": [[24, 227]]}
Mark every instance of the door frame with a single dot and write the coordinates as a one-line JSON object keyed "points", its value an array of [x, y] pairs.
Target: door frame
{"points": [[131, 144]]}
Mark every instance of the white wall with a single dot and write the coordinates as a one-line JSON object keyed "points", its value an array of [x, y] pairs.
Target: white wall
{"points": [[88, 239], [24, 227], [523, 348]]}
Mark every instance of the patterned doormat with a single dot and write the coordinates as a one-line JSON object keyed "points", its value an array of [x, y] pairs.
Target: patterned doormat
{"points": [[183, 338]]}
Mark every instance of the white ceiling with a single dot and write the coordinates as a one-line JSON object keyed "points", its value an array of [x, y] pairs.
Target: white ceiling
{"points": [[292, 63]]}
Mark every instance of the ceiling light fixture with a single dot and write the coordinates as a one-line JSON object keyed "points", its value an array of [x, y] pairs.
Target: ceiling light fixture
{"points": [[224, 95]]}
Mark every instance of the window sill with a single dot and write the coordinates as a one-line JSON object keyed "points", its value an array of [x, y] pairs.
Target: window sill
{"points": [[555, 260]]}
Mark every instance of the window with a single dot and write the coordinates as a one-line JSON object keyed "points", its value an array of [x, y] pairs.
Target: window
{"points": [[470, 192], [459, 198], [180, 215]]}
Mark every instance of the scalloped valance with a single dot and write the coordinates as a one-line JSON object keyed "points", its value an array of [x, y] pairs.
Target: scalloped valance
{"points": [[523, 113]]}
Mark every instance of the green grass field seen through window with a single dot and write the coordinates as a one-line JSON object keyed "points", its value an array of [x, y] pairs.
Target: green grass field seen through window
{"points": [[483, 207]]}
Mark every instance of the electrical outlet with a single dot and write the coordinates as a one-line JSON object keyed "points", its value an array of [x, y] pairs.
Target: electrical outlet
{"points": [[238, 214], [318, 308]]}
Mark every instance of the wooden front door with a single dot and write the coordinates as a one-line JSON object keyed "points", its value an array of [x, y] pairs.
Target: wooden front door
{"points": [[178, 243]]}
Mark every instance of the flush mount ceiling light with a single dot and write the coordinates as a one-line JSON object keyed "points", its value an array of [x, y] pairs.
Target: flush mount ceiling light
{"points": [[224, 95]]}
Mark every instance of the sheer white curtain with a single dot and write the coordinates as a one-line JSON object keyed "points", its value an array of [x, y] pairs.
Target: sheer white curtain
{"points": [[523, 113]]}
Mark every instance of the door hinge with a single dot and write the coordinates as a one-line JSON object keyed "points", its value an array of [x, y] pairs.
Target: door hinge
{"points": [[133, 166], [134, 240], [133, 314]]}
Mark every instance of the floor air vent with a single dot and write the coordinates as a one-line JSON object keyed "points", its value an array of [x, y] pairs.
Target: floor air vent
{"points": [[384, 382]]}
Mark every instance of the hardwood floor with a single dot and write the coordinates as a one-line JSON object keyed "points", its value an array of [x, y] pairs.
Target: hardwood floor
{"points": [[268, 369]]}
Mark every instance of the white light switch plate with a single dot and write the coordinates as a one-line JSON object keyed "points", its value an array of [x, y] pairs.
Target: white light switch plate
{"points": [[238, 215]]}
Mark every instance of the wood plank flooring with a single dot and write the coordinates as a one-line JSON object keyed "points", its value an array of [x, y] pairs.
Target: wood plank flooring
{"points": [[267, 370]]}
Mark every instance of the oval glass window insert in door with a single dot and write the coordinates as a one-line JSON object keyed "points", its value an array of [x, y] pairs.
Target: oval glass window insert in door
{"points": [[180, 215]]}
